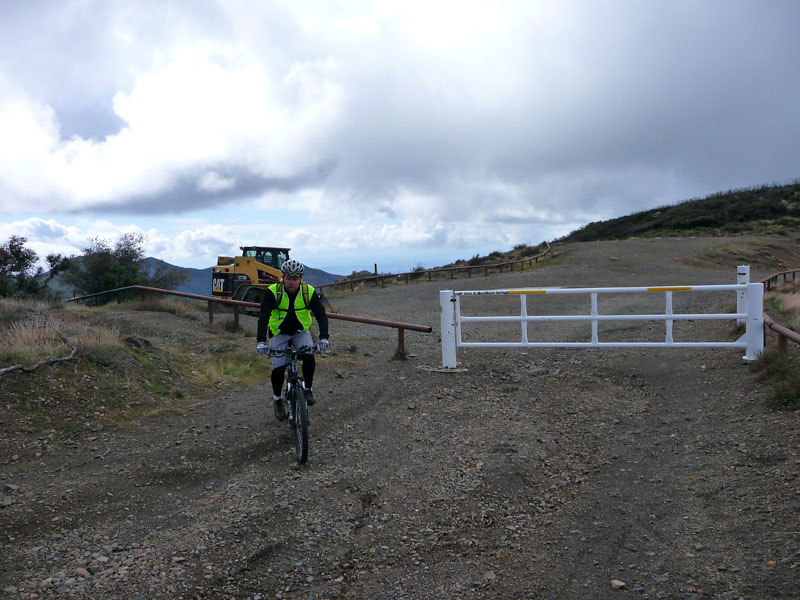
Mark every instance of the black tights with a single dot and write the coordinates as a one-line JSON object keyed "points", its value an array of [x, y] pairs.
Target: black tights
{"points": [[278, 375]]}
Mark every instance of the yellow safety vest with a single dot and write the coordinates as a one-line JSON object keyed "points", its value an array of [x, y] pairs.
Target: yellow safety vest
{"points": [[282, 309]]}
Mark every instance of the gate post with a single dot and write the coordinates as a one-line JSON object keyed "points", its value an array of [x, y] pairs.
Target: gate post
{"points": [[448, 305], [742, 277], [754, 332]]}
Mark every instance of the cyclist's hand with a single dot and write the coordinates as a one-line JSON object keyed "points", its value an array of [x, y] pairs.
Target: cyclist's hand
{"points": [[322, 345], [262, 348]]}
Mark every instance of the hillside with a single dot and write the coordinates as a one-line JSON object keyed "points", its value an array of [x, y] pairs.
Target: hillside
{"points": [[199, 280], [765, 209]]}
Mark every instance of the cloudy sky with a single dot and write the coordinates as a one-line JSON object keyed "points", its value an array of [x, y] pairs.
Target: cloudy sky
{"points": [[399, 132]]}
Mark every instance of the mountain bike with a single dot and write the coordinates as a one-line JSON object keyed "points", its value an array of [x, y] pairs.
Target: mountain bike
{"points": [[294, 399]]}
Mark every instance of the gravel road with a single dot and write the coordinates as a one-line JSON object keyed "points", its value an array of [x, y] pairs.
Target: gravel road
{"points": [[550, 473]]}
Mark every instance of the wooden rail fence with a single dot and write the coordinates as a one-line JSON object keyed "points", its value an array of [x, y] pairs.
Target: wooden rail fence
{"points": [[381, 279]]}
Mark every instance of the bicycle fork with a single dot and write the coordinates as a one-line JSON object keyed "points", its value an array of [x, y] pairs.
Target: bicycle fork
{"points": [[291, 403], [291, 395]]}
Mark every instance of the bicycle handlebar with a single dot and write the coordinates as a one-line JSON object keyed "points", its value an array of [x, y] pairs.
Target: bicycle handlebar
{"points": [[301, 351]]}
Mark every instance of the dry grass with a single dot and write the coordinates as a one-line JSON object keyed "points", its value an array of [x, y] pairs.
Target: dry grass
{"points": [[180, 308], [785, 299], [35, 336], [237, 368], [90, 339], [29, 335], [783, 371], [790, 304], [12, 309]]}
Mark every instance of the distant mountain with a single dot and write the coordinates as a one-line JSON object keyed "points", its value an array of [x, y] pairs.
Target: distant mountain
{"points": [[198, 281]]}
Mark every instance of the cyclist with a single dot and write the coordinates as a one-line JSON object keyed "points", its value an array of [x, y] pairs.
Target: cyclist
{"points": [[285, 317]]}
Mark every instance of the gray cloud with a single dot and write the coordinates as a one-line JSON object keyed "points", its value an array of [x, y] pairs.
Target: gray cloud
{"points": [[702, 96], [186, 195], [46, 230]]}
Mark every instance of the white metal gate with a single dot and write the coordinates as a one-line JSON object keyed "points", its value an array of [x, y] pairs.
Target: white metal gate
{"points": [[750, 298]]}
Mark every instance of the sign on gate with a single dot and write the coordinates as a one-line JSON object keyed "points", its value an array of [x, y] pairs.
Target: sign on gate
{"points": [[750, 299]]}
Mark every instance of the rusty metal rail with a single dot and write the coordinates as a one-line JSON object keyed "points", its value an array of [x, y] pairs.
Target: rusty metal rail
{"points": [[768, 281], [236, 304], [381, 279], [784, 333]]}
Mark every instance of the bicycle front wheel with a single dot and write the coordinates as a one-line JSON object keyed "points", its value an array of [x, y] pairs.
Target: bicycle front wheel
{"points": [[300, 426]]}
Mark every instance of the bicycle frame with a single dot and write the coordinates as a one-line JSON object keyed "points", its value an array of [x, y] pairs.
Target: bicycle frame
{"points": [[293, 379], [296, 406]]}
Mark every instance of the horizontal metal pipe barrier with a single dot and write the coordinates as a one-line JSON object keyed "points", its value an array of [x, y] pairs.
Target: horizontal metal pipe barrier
{"points": [[401, 327]]}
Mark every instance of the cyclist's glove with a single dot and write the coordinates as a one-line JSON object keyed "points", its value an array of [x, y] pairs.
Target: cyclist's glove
{"points": [[262, 348], [322, 345]]}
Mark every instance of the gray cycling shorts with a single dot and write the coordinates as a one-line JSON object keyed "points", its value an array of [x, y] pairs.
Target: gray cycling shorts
{"points": [[282, 341]]}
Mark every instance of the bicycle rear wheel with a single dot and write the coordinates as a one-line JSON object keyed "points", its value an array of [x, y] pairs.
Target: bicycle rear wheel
{"points": [[300, 425]]}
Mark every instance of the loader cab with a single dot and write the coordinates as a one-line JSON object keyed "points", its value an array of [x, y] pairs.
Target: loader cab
{"points": [[247, 277], [272, 257]]}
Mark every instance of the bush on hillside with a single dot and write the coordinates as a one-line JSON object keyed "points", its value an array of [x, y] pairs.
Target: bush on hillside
{"points": [[104, 267], [19, 275]]}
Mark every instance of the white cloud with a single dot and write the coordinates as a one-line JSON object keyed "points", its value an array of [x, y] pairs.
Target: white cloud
{"points": [[197, 247], [29, 133], [205, 106]]}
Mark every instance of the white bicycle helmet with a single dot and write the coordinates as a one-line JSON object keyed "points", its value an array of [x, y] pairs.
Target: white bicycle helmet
{"points": [[293, 267]]}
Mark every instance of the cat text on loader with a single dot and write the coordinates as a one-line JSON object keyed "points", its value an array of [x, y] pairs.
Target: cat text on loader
{"points": [[248, 276]]}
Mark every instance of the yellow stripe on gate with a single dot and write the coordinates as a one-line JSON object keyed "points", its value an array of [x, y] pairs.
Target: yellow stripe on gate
{"points": [[669, 289], [527, 291]]}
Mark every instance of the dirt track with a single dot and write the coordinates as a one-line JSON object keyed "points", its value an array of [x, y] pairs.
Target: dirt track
{"points": [[532, 474]]}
